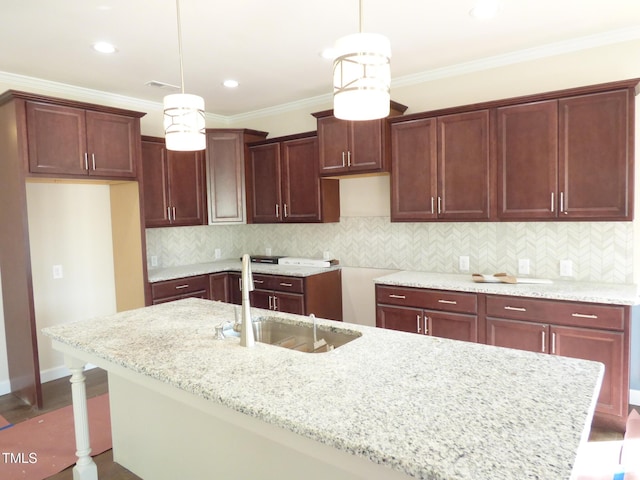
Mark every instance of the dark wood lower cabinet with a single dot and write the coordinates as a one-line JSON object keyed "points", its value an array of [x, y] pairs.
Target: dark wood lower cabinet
{"points": [[219, 287], [170, 290], [587, 331]]}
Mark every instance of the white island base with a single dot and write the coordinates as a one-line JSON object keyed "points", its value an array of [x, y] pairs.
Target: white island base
{"points": [[160, 432]]}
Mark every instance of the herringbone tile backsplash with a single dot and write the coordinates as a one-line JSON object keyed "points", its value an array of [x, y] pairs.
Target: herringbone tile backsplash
{"points": [[600, 251]]}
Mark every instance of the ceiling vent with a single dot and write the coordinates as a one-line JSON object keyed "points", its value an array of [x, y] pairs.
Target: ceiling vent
{"points": [[166, 86]]}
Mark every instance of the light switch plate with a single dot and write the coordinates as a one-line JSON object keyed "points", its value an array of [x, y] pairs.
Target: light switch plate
{"points": [[57, 272], [566, 268], [524, 266], [463, 263], [217, 253]]}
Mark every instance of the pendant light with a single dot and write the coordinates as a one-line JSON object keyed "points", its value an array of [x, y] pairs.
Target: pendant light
{"points": [[184, 124], [361, 75]]}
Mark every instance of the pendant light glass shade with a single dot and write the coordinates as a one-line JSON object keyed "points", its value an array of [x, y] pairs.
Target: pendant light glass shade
{"points": [[362, 77], [184, 123]]}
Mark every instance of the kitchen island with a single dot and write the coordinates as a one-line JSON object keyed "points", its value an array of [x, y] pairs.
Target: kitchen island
{"points": [[385, 405]]}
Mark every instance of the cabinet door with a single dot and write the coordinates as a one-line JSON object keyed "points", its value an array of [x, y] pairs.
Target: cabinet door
{"points": [[265, 183], [300, 181], [519, 335], [527, 145], [600, 346], [111, 144], [595, 171], [225, 176], [56, 139], [289, 302], [219, 287], [463, 166], [413, 170], [366, 152], [452, 325], [186, 187], [261, 299], [235, 293], [333, 137], [155, 184], [404, 319]]}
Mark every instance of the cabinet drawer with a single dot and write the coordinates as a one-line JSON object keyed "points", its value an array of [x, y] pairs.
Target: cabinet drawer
{"points": [[590, 315], [429, 299], [279, 283], [179, 286]]}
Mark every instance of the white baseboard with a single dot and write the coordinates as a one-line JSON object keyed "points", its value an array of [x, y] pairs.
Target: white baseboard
{"points": [[46, 376], [634, 397]]}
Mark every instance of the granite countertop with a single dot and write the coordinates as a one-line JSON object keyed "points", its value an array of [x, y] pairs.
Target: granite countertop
{"points": [[229, 265], [429, 407], [607, 293]]}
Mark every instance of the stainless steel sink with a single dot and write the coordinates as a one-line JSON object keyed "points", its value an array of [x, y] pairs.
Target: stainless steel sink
{"points": [[275, 331]]}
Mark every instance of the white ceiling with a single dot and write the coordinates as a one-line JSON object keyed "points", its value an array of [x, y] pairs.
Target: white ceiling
{"points": [[273, 48]]}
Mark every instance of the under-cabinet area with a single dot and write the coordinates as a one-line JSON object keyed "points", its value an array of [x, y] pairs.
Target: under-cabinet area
{"points": [[580, 329], [299, 290]]}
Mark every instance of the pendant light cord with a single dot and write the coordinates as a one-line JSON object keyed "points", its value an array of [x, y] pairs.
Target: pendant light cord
{"points": [[360, 16], [180, 46]]}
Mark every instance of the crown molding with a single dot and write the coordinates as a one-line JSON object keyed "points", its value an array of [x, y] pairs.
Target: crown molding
{"points": [[535, 53]]}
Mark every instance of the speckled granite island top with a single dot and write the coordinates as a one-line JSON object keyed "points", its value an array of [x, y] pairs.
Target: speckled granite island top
{"points": [[607, 293], [170, 273], [429, 407]]}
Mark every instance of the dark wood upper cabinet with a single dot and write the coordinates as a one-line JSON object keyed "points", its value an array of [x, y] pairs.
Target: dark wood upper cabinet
{"points": [[173, 185], [283, 184], [527, 146], [71, 141], [441, 168], [595, 157], [225, 166], [354, 147]]}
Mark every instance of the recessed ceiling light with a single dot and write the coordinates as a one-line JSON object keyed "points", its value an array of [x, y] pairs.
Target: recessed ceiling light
{"points": [[230, 83], [104, 47], [484, 9]]}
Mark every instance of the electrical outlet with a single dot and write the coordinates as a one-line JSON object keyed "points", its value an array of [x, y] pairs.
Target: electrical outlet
{"points": [[267, 251], [326, 255], [566, 268], [154, 260], [524, 267], [57, 272], [217, 253], [463, 263]]}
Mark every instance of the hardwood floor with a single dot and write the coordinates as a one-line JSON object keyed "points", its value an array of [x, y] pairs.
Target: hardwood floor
{"points": [[57, 394]]}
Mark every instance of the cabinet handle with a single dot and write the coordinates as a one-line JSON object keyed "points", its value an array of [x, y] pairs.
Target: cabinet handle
{"points": [[258, 281], [86, 161], [285, 211], [449, 302], [432, 205], [393, 295], [277, 211], [240, 283], [584, 315], [516, 309], [270, 298], [553, 202], [544, 343], [349, 158], [93, 161], [553, 343], [418, 323], [343, 164], [426, 329], [179, 287], [174, 213], [283, 284], [562, 209], [169, 213], [439, 205], [275, 302]]}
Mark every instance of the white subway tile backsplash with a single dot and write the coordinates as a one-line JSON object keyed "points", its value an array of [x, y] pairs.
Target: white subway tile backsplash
{"points": [[599, 251]]}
